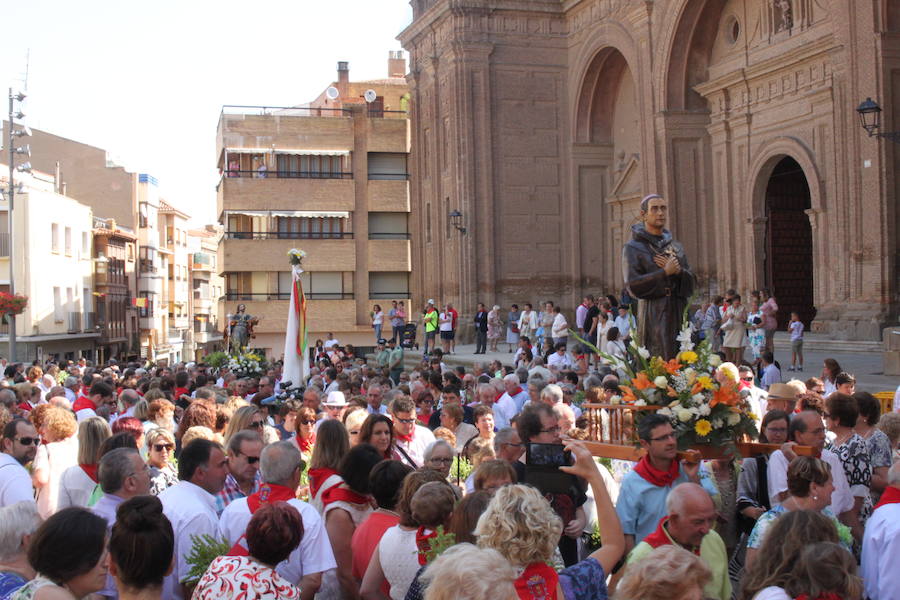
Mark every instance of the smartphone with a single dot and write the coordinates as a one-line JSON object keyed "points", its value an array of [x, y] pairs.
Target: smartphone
{"points": [[547, 455], [542, 463]]}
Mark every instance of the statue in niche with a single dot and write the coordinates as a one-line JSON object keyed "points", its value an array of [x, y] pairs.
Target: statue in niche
{"points": [[784, 15]]}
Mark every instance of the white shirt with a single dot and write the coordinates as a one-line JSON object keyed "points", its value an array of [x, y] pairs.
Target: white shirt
{"points": [[897, 399], [446, 321], [55, 458], [381, 410], [580, 314], [85, 413], [192, 512], [624, 326], [15, 482], [880, 549], [560, 328], [559, 362], [507, 407], [75, 488], [416, 448], [330, 343], [841, 497], [399, 560], [772, 593], [759, 400], [313, 555]]}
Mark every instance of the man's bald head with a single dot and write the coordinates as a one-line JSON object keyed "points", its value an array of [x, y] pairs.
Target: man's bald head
{"points": [[687, 496], [692, 514]]}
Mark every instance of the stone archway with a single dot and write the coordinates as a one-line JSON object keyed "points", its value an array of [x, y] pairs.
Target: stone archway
{"points": [[788, 259]]}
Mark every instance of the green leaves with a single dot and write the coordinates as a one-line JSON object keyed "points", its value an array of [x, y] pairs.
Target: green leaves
{"points": [[204, 550]]}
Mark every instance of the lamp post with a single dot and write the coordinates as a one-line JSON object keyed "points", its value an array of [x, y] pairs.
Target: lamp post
{"points": [[22, 168], [870, 120], [456, 220]]}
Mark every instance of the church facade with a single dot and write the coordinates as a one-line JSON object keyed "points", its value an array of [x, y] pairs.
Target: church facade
{"points": [[543, 122]]}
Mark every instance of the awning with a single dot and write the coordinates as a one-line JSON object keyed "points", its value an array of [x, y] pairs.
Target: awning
{"points": [[248, 213], [303, 152], [312, 214], [248, 150]]}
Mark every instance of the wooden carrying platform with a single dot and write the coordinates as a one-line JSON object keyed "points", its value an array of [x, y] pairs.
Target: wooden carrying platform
{"points": [[612, 434]]}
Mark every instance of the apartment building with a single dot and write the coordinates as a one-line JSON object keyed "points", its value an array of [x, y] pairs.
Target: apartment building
{"points": [[115, 283], [53, 267], [207, 286], [329, 177], [173, 250]]}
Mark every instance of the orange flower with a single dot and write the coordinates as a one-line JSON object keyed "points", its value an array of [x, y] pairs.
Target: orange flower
{"points": [[670, 391], [697, 387], [628, 396], [642, 382], [672, 366], [726, 394]]}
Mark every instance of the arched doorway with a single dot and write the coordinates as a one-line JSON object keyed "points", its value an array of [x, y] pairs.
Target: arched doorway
{"points": [[789, 256]]}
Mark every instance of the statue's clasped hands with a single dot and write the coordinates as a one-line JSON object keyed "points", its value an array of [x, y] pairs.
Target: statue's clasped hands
{"points": [[668, 263]]}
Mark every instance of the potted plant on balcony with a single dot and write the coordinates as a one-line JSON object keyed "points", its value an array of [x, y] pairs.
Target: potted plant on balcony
{"points": [[12, 304]]}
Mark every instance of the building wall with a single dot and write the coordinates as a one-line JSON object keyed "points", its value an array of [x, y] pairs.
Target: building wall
{"points": [[544, 123]]}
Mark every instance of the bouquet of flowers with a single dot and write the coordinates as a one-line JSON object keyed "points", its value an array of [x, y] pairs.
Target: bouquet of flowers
{"points": [[12, 304], [296, 256], [248, 364], [705, 406]]}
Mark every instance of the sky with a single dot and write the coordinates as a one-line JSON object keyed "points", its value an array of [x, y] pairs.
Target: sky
{"points": [[146, 79]]}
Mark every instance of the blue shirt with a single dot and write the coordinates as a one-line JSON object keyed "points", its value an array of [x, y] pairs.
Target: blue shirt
{"points": [[10, 583], [106, 507], [641, 505]]}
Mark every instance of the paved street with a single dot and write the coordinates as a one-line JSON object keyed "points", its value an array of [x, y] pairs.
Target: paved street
{"points": [[855, 357]]}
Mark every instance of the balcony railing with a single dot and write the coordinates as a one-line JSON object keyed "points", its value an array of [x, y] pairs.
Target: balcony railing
{"points": [[257, 174], [284, 111], [89, 320], [288, 235], [4, 244], [74, 322], [232, 296], [389, 236], [375, 113], [388, 176], [388, 295]]}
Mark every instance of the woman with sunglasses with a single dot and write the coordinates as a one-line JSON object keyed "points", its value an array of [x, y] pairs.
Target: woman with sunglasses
{"points": [[246, 417], [305, 436], [161, 444]]}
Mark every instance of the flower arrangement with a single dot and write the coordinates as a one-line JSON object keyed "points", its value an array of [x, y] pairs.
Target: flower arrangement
{"points": [[704, 403], [296, 256], [247, 364], [12, 304]]}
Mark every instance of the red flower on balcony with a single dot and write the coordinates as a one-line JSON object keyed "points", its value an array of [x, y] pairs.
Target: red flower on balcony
{"points": [[12, 304]]}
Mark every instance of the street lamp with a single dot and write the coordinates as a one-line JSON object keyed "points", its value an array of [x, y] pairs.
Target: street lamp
{"points": [[25, 167], [870, 120], [456, 221]]}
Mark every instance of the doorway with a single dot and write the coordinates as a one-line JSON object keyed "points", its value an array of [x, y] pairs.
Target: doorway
{"points": [[789, 257]]}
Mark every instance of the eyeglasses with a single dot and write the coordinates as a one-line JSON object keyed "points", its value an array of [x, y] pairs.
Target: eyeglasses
{"points": [[662, 438], [443, 461], [27, 441], [354, 432], [162, 447], [407, 421], [257, 424], [747, 379], [554, 429], [308, 422]]}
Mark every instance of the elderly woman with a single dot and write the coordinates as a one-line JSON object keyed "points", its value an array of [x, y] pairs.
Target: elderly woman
{"points": [[439, 456], [452, 418], [520, 524], [305, 431], [841, 414], [18, 523], [163, 474], [486, 576], [59, 452], [78, 482], [668, 573], [810, 487], [495, 327], [878, 444]]}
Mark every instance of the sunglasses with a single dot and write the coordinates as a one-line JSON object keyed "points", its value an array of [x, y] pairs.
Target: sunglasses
{"points": [[252, 460], [27, 441], [354, 432], [162, 447], [257, 424], [746, 379], [308, 422]]}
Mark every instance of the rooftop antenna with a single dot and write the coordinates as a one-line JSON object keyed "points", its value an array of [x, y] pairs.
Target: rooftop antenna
{"points": [[27, 64]]}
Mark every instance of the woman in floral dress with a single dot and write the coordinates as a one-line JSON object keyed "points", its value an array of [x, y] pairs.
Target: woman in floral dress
{"points": [[495, 327], [756, 334]]}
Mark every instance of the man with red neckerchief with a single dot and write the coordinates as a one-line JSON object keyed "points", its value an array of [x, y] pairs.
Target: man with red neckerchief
{"points": [[86, 406], [881, 542], [280, 467], [642, 498], [410, 439]]}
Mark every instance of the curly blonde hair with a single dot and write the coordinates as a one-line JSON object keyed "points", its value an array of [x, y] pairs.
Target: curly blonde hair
{"points": [[520, 525], [59, 423], [667, 572], [487, 575]]}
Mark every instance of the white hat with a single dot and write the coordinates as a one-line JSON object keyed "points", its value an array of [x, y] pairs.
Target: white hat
{"points": [[431, 301], [336, 399]]}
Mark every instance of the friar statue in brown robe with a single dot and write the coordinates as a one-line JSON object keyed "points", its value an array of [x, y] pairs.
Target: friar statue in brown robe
{"points": [[656, 272]]}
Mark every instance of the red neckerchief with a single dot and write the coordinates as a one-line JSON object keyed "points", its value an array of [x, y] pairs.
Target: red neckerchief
{"points": [[827, 596], [537, 582], [661, 537], [90, 471], [317, 477], [517, 392], [83, 402], [25, 406], [891, 495], [423, 545], [306, 443], [405, 438], [338, 493], [497, 398], [269, 493], [179, 392], [653, 475]]}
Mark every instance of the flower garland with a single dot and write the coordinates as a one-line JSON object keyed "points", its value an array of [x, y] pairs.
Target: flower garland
{"points": [[248, 364], [12, 304]]}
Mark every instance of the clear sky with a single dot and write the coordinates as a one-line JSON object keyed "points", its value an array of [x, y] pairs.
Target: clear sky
{"points": [[146, 79]]}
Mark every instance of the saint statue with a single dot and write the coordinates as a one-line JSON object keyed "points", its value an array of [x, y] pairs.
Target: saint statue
{"points": [[656, 272], [239, 330]]}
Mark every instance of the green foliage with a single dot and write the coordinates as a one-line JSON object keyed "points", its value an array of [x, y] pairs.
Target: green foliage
{"points": [[204, 550], [440, 542], [217, 359], [461, 469]]}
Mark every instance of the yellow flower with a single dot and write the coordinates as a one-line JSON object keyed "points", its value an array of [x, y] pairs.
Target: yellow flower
{"points": [[688, 357], [705, 382], [703, 427]]}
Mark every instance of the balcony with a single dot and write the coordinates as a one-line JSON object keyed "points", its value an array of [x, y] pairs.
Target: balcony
{"points": [[277, 193], [74, 322], [388, 195], [266, 254], [89, 321], [287, 235]]}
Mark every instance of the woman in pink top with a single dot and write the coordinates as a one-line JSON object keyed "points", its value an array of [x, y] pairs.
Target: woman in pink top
{"points": [[769, 309]]}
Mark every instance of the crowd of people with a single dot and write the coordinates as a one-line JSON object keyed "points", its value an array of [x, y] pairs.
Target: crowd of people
{"points": [[397, 479]]}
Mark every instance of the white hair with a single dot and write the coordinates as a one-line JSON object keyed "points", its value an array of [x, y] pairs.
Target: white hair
{"points": [[552, 391], [429, 450], [511, 378], [16, 521], [487, 575]]}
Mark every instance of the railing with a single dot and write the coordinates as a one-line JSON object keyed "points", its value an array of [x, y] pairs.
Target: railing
{"points": [[287, 235], [205, 328], [389, 236], [4, 244], [388, 295], [74, 322], [266, 174], [284, 111], [232, 296], [388, 176], [89, 320], [375, 113]]}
